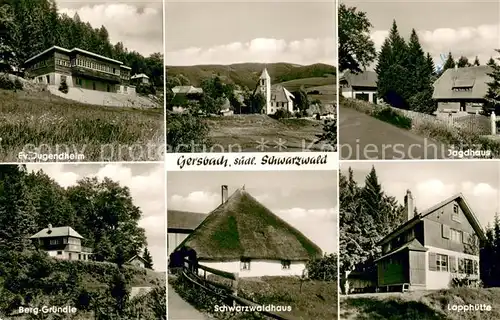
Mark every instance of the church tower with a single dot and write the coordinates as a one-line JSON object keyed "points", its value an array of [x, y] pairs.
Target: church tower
{"points": [[265, 89]]}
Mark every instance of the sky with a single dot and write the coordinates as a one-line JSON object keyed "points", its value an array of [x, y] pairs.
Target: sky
{"points": [[469, 28], [138, 24], [235, 31], [431, 182], [307, 200], [147, 187]]}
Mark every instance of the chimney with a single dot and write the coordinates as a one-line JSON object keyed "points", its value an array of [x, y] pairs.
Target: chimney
{"points": [[409, 206], [50, 228], [224, 193]]}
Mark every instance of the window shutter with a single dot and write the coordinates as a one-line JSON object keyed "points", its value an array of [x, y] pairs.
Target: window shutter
{"points": [[476, 267], [453, 263], [461, 265], [432, 261], [445, 231]]}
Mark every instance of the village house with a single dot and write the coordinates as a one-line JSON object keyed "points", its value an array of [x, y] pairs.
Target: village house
{"points": [[137, 261], [242, 236], [462, 90], [361, 86], [432, 248], [180, 224], [277, 97], [61, 243], [140, 78], [79, 68]]}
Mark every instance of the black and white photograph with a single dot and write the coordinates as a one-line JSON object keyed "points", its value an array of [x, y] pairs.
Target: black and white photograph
{"points": [[252, 245], [82, 82], [419, 79], [82, 241], [419, 241], [251, 76]]}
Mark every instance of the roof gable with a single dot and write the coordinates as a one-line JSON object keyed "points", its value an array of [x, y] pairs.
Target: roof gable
{"points": [[362, 79], [243, 228], [184, 220], [459, 198]]}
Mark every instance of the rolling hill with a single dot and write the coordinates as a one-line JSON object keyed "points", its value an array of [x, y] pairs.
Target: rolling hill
{"points": [[247, 74]]}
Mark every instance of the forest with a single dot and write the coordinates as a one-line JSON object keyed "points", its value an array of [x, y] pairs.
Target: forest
{"points": [[28, 27], [102, 212]]}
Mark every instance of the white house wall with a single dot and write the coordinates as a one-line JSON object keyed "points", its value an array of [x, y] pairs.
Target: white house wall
{"points": [[173, 241], [439, 279], [258, 268]]}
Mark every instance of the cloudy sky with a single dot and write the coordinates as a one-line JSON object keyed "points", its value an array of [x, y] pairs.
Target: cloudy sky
{"points": [[431, 182], [234, 31], [305, 199], [138, 23], [147, 187], [464, 27]]}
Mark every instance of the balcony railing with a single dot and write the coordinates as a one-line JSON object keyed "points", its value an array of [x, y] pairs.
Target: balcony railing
{"points": [[95, 74], [77, 248]]}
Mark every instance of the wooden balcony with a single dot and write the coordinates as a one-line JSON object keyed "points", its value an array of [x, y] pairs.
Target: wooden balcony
{"points": [[77, 248], [95, 74]]}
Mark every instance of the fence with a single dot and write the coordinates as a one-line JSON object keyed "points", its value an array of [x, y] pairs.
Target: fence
{"points": [[190, 272]]}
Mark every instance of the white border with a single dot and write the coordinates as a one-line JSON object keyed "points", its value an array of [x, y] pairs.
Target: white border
{"points": [[164, 5], [260, 161], [337, 2]]}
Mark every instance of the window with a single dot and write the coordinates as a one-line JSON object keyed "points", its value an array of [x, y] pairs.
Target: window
{"points": [[79, 257], [455, 216], [285, 264], [441, 262], [245, 264], [54, 241], [59, 253], [69, 256], [445, 231], [468, 266], [48, 79], [456, 236]]}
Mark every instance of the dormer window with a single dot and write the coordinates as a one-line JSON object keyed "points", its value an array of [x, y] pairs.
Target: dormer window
{"points": [[245, 265], [285, 264]]}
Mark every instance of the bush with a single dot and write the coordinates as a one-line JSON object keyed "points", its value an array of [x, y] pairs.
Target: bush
{"points": [[394, 117], [6, 83], [186, 132], [324, 269], [64, 87], [281, 114]]}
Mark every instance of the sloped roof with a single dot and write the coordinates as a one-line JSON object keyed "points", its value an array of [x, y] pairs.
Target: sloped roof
{"points": [[186, 89], [475, 77], [362, 79], [56, 232], [243, 228], [184, 220], [135, 258], [459, 197], [280, 94], [264, 74], [413, 245], [140, 75], [95, 55]]}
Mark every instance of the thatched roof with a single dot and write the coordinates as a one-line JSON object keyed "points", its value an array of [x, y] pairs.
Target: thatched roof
{"points": [[243, 228], [473, 81], [362, 79], [184, 220]]}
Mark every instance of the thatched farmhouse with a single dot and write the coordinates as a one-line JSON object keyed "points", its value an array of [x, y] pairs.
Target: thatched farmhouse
{"points": [[242, 236], [462, 90], [361, 86]]}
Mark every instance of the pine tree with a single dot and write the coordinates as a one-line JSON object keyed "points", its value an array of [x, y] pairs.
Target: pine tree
{"points": [[491, 62], [417, 64], [449, 63], [148, 259], [493, 94], [463, 62], [476, 62]]}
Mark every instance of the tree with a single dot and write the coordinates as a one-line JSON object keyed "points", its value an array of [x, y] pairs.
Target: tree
{"points": [[329, 135], [476, 62], [301, 100], [449, 63], [187, 133], [257, 102], [356, 49], [148, 259], [463, 62], [493, 93], [491, 62]]}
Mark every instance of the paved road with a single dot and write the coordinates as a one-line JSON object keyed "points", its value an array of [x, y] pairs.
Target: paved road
{"points": [[179, 309], [362, 137]]}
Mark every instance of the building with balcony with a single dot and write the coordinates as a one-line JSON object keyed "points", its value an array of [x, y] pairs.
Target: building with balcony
{"points": [[61, 243], [79, 68]]}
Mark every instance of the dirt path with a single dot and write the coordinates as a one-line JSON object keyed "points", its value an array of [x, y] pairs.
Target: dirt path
{"points": [[179, 309], [362, 137]]}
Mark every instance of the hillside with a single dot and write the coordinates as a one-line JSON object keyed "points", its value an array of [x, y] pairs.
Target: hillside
{"points": [[247, 74], [432, 305]]}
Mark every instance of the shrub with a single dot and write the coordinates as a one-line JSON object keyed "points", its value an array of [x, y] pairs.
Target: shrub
{"points": [[394, 117], [324, 269], [281, 114], [64, 87], [186, 132], [18, 84], [6, 83]]}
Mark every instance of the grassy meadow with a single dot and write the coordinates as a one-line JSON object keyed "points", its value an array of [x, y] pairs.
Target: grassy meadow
{"points": [[43, 123]]}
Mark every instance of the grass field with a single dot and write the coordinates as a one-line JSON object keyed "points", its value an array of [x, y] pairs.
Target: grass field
{"points": [[431, 305], [295, 85], [46, 124], [245, 131]]}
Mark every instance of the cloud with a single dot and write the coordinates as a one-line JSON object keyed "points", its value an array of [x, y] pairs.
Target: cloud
{"points": [[147, 190], [138, 25], [469, 41], [196, 201], [265, 50]]}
